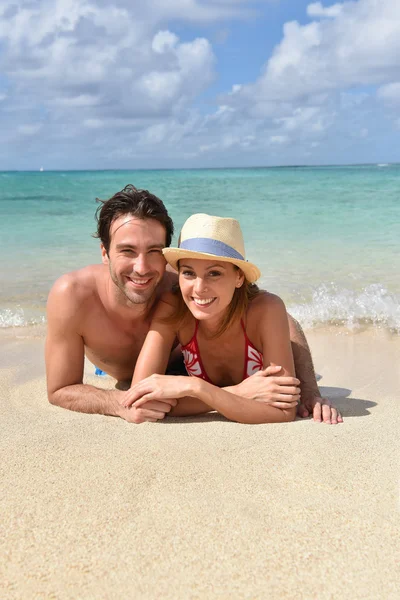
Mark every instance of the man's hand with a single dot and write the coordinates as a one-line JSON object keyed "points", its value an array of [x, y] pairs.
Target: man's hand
{"points": [[279, 392], [320, 408]]}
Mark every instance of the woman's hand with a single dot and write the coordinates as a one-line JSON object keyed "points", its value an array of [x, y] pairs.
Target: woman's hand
{"points": [[165, 388], [279, 392]]}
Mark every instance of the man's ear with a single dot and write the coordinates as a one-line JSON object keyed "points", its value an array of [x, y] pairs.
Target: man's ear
{"points": [[104, 255]]}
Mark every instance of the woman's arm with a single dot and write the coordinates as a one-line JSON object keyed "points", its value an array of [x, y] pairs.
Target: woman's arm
{"points": [[276, 348], [156, 350], [194, 393], [271, 318], [154, 357]]}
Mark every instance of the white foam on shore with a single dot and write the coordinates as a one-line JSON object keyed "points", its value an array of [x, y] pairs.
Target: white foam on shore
{"points": [[373, 305], [329, 305], [17, 317]]}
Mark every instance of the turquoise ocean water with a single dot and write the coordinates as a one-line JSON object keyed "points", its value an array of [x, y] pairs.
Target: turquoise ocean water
{"points": [[327, 239]]}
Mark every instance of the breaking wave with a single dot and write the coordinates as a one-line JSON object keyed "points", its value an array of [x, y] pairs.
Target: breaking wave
{"points": [[17, 317], [329, 305]]}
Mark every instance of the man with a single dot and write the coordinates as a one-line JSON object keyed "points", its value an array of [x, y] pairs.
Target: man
{"points": [[105, 311]]}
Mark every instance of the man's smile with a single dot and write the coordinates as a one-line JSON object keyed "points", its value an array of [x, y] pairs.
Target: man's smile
{"points": [[139, 282]]}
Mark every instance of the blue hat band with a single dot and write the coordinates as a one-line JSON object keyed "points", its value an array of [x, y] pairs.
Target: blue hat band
{"points": [[210, 246]]}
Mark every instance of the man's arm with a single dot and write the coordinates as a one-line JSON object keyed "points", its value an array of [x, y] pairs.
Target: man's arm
{"points": [[311, 402], [65, 354]]}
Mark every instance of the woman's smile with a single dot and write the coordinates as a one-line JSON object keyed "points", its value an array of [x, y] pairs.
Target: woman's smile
{"points": [[203, 302]]}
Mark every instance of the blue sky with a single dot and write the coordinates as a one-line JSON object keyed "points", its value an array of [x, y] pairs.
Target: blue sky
{"points": [[97, 84]]}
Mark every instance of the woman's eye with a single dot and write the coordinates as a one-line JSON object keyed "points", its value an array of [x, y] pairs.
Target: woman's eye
{"points": [[215, 273], [187, 273]]}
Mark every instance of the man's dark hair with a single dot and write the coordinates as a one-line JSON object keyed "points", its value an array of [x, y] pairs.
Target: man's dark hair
{"points": [[131, 201]]}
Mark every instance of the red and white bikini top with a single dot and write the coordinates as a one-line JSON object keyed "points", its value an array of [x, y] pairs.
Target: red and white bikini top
{"points": [[253, 359]]}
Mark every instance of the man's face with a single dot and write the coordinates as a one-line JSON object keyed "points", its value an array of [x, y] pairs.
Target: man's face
{"points": [[135, 258]]}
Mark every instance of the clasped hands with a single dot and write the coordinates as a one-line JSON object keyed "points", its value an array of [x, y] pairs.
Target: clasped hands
{"points": [[154, 397]]}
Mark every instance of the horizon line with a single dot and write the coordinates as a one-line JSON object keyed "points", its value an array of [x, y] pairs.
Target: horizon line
{"points": [[294, 166]]}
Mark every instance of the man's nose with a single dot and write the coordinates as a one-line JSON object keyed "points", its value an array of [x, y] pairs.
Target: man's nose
{"points": [[141, 266]]}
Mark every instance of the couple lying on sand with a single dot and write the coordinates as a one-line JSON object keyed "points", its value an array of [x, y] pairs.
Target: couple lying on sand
{"points": [[133, 317]]}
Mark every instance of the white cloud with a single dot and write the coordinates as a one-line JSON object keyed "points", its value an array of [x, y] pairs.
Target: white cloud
{"points": [[202, 11], [235, 89], [188, 69], [155, 134], [279, 139], [359, 46], [119, 78], [311, 117], [164, 41], [316, 71], [78, 53], [77, 101], [93, 123], [29, 129], [317, 10], [390, 93]]}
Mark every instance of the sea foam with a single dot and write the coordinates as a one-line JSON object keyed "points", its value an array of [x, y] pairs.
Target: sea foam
{"points": [[373, 305], [330, 305], [17, 317]]}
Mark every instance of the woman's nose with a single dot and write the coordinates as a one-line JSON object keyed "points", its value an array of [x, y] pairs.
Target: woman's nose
{"points": [[199, 285]]}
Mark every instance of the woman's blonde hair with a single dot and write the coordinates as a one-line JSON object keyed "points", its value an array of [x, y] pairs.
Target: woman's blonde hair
{"points": [[241, 298]]}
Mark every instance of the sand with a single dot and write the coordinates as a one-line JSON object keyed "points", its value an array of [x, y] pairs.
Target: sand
{"points": [[202, 508]]}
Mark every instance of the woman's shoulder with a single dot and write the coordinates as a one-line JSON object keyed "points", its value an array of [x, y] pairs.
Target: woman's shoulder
{"points": [[264, 301], [263, 312]]}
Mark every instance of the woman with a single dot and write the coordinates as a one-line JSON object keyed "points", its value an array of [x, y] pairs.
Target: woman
{"points": [[227, 328]]}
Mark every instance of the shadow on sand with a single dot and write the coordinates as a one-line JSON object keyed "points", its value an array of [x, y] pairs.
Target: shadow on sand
{"points": [[349, 407]]}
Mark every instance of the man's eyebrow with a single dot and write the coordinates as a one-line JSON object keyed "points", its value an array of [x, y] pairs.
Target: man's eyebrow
{"points": [[127, 245]]}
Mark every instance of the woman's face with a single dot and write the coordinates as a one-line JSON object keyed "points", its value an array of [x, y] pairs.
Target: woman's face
{"points": [[208, 286]]}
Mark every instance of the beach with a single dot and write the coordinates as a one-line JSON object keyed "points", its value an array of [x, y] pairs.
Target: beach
{"points": [[203, 508], [95, 507]]}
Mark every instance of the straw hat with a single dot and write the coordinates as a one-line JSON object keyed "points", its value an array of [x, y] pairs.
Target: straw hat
{"points": [[207, 237]]}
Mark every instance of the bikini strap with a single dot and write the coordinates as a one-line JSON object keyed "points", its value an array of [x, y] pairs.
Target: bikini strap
{"points": [[246, 337]]}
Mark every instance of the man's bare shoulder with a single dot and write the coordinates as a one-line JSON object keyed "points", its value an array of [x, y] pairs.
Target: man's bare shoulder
{"points": [[74, 288], [169, 298], [166, 306], [169, 280]]}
